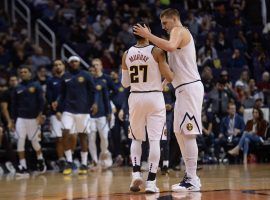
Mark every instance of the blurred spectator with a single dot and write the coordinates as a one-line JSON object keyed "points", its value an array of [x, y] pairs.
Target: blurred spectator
{"points": [[126, 36], [219, 98], [231, 129], [193, 24], [254, 133], [222, 44], [5, 58], [207, 79], [243, 80], [42, 77], [207, 54], [237, 60], [254, 91], [238, 4], [264, 86], [207, 138], [39, 59]]}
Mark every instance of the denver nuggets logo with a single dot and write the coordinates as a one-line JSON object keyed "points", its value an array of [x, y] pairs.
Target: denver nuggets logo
{"points": [[121, 89], [166, 89], [81, 79], [98, 87], [32, 89], [189, 126]]}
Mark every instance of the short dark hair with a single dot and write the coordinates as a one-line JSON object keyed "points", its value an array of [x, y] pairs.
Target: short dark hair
{"points": [[170, 12], [26, 67], [142, 23]]}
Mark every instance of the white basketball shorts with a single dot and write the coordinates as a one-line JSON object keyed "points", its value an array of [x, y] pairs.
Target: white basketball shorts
{"points": [[28, 128], [188, 108], [146, 112], [75, 123], [56, 126]]}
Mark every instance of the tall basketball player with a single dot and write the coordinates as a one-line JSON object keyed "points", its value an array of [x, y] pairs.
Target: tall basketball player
{"points": [[189, 91], [142, 67]]}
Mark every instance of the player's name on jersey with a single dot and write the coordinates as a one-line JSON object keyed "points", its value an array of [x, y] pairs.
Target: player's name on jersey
{"points": [[138, 57]]}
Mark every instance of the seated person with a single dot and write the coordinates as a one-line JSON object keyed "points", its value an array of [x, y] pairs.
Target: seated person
{"points": [[231, 128], [254, 132]]}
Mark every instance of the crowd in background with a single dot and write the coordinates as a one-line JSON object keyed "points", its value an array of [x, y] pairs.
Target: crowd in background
{"points": [[233, 57]]}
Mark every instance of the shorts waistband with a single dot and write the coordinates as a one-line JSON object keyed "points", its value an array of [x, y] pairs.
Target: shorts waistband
{"points": [[186, 84], [145, 91]]}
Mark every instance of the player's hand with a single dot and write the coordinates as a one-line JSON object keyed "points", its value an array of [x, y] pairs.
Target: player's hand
{"points": [[10, 125], [58, 116], [94, 109], [54, 105], [168, 107], [121, 115], [109, 117], [142, 31], [41, 119]]}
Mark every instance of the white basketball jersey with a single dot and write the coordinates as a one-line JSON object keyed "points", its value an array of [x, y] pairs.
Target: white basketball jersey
{"points": [[143, 69], [183, 64]]}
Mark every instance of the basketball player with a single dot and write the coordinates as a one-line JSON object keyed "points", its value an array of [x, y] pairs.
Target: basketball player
{"points": [[52, 91], [189, 91], [76, 99], [27, 106], [100, 121], [142, 67]]}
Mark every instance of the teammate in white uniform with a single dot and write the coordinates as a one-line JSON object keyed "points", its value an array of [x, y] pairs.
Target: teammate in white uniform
{"points": [[189, 91], [142, 67]]}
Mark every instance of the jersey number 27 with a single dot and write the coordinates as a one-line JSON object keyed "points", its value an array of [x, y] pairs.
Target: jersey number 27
{"points": [[134, 73]]}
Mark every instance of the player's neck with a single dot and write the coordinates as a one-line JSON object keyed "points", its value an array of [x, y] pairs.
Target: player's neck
{"points": [[178, 24], [142, 43]]}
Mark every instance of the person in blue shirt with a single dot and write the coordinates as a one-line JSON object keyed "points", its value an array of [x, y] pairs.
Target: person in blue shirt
{"points": [[97, 64], [52, 92], [76, 100], [231, 129], [118, 98], [27, 104], [100, 122]]}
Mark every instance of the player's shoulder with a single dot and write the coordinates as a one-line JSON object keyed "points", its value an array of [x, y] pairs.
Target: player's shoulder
{"points": [[156, 51]]}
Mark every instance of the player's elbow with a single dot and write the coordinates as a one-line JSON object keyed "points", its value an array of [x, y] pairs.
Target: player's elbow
{"points": [[171, 47]]}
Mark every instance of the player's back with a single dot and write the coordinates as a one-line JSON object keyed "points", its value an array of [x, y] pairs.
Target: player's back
{"points": [[143, 69]]}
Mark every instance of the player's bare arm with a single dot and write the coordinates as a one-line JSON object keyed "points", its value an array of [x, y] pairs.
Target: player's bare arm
{"points": [[176, 37], [125, 75], [164, 68]]}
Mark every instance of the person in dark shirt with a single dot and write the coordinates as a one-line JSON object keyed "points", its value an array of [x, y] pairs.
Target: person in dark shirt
{"points": [[118, 98], [27, 106], [100, 122], [97, 64], [53, 86], [169, 97], [76, 100], [6, 101]]}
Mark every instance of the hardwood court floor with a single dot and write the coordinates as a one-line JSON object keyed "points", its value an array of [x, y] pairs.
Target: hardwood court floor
{"points": [[219, 182]]}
